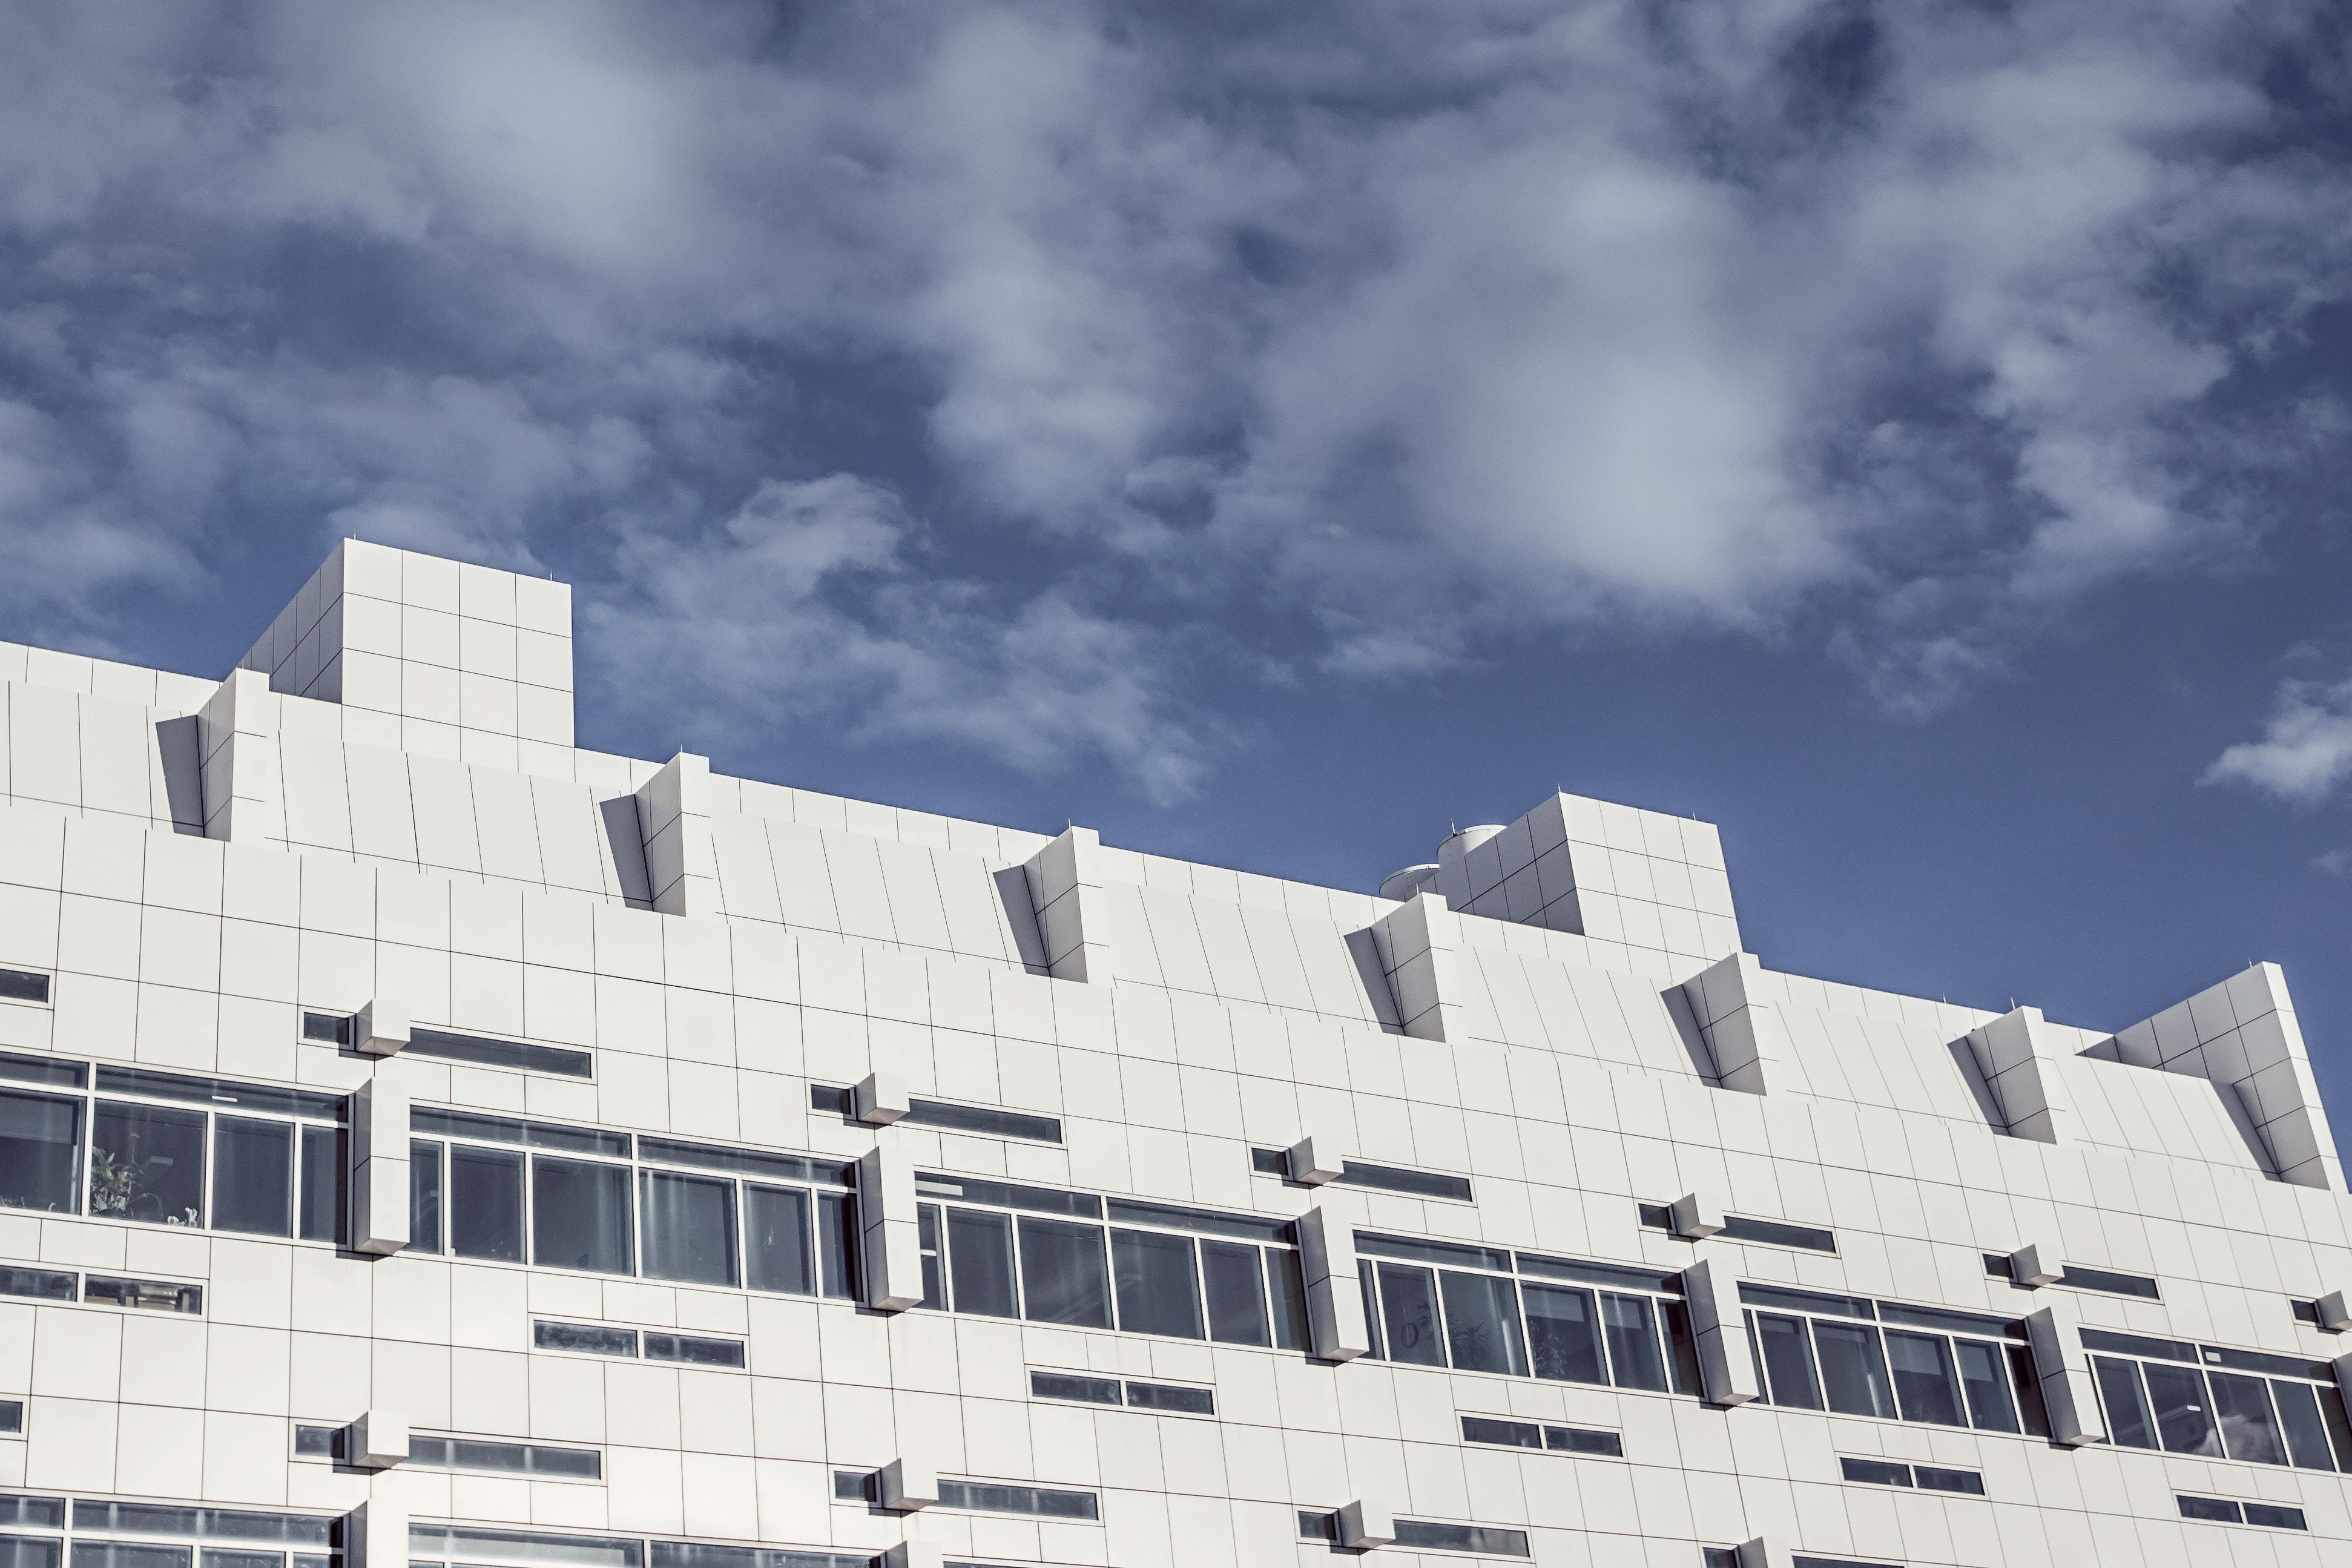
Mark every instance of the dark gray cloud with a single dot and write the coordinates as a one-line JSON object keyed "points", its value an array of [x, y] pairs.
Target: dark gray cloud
{"points": [[986, 373]]}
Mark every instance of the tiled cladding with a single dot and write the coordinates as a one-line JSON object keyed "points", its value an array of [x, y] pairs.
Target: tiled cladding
{"points": [[650, 1279]]}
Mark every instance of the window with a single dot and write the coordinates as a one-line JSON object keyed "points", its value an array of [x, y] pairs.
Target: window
{"points": [[588, 1339], [145, 1535], [693, 1350], [1429, 1536], [514, 1459], [12, 1415], [1382, 1178], [606, 1202], [145, 1295], [1940, 1478], [988, 1121], [1532, 1435], [1040, 1502], [1170, 1397], [1777, 1233], [1475, 1316], [1859, 1357], [1895, 1473], [2218, 1510], [598, 1339], [474, 1544], [147, 1163], [42, 1284], [1077, 1389], [2275, 1516], [1156, 1269], [40, 1151], [23, 985], [2108, 1282], [483, 1052], [2215, 1402]]}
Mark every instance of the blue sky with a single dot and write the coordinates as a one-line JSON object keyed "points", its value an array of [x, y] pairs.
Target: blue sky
{"points": [[1914, 437]]}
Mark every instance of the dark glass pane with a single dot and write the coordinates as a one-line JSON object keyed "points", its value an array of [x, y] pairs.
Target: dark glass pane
{"points": [[1168, 1396], [1157, 1283], [485, 1203], [1986, 1382], [588, 1338], [1583, 1440], [1564, 1334], [1482, 1323], [689, 1226], [2026, 1379], [2183, 1420], [214, 1557], [776, 1240], [1935, 1478], [2339, 1428], [423, 1196], [2218, 1510], [1509, 1433], [580, 1215], [927, 1244], [1237, 1293], [1286, 1284], [28, 1551], [1491, 1540], [1875, 1472], [1627, 1324], [40, 1140], [1683, 1375], [693, 1350], [837, 1245], [2127, 1420], [2249, 1431], [1924, 1387], [147, 1163], [1368, 1287], [253, 1176], [979, 1262], [1854, 1375], [2306, 1433], [1063, 1280], [125, 1554], [1788, 1359], [2275, 1516], [1409, 1315], [324, 1163], [1068, 1386]]}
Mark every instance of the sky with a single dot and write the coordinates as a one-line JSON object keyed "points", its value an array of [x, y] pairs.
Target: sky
{"points": [[1915, 437]]}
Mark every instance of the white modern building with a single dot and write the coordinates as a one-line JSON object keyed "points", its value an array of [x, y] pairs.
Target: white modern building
{"points": [[422, 1140]]}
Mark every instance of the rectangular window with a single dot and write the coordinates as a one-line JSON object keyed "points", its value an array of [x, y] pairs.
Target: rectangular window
{"points": [[1286, 1282], [42, 1284], [325, 1161], [1875, 1472], [423, 1196], [2108, 1282], [1038, 1503], [147, 1163], [776, 1255], [2214, 1510], [473, 1543], [2307, 1430], [12, 1415], [988, 1122], [1232, 1278], [33, 1512], [1926, 1388], [580, 1215], [1584, 1440], [1564, 1334], [693, 1350], [146, 1295], [929, 1244], [515, 1054], [837, 1244], [1063, 1278], [1157, 1281], [23, 986], [2127, 1419], [1788, 1356], [1068, 1386], [1507, 1434], [1368, 1287], [588, 1339], [1395, 1179], [689, 1227], [485, 1206], [1493, 1542], [1009, 1196], [321, 1442], [793, 1168], [1170, 1397], [127, 1555], [1986, 1384], [327, 1028], [1939, 1478], [2184, 1418], [1409, 1315], [513, 1458], [513, 1130], [2241, 1408], [1853, 1373], [1627, 1325], [1205, 1222], [1482, 1323], [253, 1175], [1775, 1233], [29, 1552], [2275, 1516], [979, 1262], [41, 1148]]}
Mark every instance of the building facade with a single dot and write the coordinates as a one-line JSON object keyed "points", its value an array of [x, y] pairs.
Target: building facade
{"points": [[422, 1140]]}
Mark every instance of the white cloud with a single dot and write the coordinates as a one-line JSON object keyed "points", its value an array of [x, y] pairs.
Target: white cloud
{"points": [[1349, 340], [2306, 751]]}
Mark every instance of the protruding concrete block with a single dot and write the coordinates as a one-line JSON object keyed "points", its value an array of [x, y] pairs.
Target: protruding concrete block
{"points": [[2019, 1055], [879, 1099], [1696, 1216], [1727, 1363], [908, 1485], [379, 1152], [381, 1029], [1742, 1027], [1766, 1552], [892, 1255], [1419, 941], [2028, 1267], [674, 814], [2334, 1311], [375, 1534], [379, 1440], [2063, 1370], [1065, 884], [1364, 1525], [914, 1554], [1335, 1297], [1314, 1161]]}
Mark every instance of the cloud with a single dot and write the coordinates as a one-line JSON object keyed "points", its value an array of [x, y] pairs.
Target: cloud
{"points": [[1352, 341], [2306, 751]]}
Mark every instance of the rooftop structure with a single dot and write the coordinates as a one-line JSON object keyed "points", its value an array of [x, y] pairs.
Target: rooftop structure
{"points": [[424, 1140]]}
